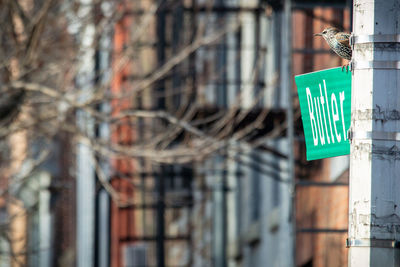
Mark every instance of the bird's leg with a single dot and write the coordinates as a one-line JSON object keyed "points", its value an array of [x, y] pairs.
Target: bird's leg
{"points": [[347, 67]]}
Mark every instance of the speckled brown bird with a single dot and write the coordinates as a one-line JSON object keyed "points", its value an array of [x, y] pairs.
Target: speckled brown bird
{"points": [[338, 41]]}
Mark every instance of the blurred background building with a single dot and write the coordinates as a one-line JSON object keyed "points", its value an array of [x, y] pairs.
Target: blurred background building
{"points": [[233, 205]]}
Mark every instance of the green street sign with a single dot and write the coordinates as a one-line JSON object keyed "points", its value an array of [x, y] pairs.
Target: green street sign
{"points": [[325, 103]]}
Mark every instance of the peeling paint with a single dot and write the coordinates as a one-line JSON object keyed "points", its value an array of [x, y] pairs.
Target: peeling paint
{"points": [[362, 150], [377, 114], [383, 224], [385, 153]]}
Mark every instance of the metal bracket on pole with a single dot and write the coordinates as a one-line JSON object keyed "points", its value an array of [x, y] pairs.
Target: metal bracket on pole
{"points": [[376, 243], [387, 136], [374, 38], [362, 65]]}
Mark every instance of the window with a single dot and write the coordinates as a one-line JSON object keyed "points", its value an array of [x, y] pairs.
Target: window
{"points": [[134, 255]]}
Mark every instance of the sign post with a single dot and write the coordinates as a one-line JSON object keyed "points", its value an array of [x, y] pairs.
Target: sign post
{"points": [[325, 103], [374, 183]]}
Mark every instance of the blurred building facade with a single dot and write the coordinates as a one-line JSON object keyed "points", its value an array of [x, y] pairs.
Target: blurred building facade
{"points": [[234, 209], [231, 209]]}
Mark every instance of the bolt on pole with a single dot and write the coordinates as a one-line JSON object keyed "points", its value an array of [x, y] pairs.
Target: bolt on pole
{"points": [[374, 195]]}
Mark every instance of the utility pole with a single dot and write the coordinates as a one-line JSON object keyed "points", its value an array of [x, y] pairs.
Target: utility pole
{"points": [[374, 196]]}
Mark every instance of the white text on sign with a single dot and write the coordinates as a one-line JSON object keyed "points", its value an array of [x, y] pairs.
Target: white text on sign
{"points": [[322, 108]]}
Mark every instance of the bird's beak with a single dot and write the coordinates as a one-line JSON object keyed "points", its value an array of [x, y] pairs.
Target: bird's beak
{"points": [[318, 34]]}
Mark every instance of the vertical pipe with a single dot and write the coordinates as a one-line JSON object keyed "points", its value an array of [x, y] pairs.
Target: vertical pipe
{"points": [[45, 222], [224, 222], [85, 184], [160, 104], [286, 76], [160, 219], [161, 21], [102, 238], [219, 228], [247, 53]]}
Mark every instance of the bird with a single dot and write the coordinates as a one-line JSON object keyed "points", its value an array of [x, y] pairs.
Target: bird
{"points": [[338, 42]]}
